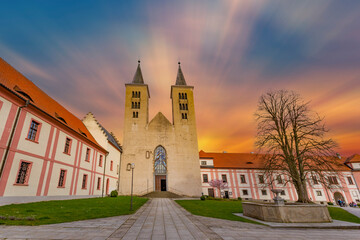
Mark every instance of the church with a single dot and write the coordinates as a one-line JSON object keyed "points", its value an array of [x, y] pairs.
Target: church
{"points": [[165, 153]]}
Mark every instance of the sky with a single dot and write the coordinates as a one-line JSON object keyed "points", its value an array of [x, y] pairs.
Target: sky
{"points": [[82, 53]]}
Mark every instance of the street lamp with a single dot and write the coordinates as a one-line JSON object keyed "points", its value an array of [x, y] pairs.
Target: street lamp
{"points": [[131, 166]]}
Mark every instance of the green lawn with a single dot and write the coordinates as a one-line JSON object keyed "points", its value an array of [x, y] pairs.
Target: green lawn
{"points": [[338, 213], [67, 210], [215, 209], [225, 210]]}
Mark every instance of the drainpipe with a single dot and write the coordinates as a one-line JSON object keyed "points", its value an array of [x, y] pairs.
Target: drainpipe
{"points": [[102, 194], [118, 185], [12, 136]]}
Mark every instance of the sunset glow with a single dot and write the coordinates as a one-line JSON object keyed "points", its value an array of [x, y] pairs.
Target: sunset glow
{"points": [[82, 53]]}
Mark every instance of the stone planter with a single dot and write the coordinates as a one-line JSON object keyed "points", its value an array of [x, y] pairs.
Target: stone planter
{"points": [[292, 213]]}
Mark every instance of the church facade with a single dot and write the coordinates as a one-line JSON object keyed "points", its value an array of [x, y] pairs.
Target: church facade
{"points": [[165, 153]]}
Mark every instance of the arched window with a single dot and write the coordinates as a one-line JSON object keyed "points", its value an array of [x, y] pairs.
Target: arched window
{"points": [[180, 106], [139, 94], [137, 114], [160, 161], [182, 96], [179, 95], [138, 105], [135, 104], [132, 104], [133, 114], [186, 106], [185, 95], [185, 115], [183, 106], [182, 116], [133, 94]]}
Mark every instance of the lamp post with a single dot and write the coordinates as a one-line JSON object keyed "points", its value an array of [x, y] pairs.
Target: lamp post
{"points": [[131, 166]]}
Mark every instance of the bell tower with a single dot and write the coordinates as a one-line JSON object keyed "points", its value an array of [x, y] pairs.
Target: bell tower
{"points": [[136, 118]]}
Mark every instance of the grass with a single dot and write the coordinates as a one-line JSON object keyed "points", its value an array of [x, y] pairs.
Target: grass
{"points": [[215, 209], [49, 212], [342, 215]]}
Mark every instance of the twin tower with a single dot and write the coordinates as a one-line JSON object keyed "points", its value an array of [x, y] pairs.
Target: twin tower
{"points": [[165, 153]]}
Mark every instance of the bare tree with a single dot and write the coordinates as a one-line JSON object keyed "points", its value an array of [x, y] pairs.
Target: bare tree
{"points": [[291, 140]]}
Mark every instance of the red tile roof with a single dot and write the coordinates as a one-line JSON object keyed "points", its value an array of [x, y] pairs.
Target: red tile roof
{"points": [[14, 80], [245, 161], [353, 159]]}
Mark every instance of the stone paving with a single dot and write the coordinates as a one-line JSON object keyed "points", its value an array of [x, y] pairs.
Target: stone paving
{"points": [[165, 219]]}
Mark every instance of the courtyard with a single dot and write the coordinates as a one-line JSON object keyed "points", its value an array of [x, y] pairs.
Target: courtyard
{"points": [[163, 218]]}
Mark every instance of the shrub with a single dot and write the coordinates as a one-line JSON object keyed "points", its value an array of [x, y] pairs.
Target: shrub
{"points": [[114, 193], [210, 198], [239, 198], [330, 203], [202, 198]]}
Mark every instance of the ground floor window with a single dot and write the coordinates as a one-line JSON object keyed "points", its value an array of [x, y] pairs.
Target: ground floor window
{"points": [[205, 178], [263, 192], [245, 192], [62, 178], [318, 193], [23, 173], [98, 183], [84, 182]]}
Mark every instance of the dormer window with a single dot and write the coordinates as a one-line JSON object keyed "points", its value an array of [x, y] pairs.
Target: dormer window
{"points": [[60, 118], [24, 94]]}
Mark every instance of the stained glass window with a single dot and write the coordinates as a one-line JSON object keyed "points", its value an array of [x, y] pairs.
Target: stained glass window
{"points": [[160, 160]]}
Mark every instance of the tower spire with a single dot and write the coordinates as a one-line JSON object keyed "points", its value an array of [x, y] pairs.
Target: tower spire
{"points": [[180, 79], [138, 78]]}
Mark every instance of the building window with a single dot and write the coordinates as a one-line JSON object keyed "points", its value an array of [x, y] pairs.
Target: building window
{"points": [[138, 106], [100, 161], [279, 179], [242, 179], [223, 177], [87, 156], [84, 182], [211, 192], [98, 183], [205, 178], [333, 180], [318, 193], [182, 96], [350, 181], [282, 193], [62, 178], [33, 131], [111, 165], [261, 179], [179, 95], [67, 146], [24, 173], [245, 192], [315, 181], [135, 115], [186, 106], [203, 162], [185, 96], [263, 192], [132, 105]]}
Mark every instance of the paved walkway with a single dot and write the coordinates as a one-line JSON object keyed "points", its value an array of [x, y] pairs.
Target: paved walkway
{"points": [[352, 210], [164, 219]]}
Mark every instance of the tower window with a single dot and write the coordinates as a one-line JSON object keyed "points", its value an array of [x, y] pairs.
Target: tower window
{"points": [[135, 114], [185, 96], [180, 106], [186, 106], [138, 105], [184, 115], [182, 96], [179, 95], [135, 104], [139, 94], [132, 105], [133, 94]]}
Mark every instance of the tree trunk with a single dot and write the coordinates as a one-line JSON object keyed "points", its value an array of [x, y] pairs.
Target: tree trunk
{"points": [[301, 191]]}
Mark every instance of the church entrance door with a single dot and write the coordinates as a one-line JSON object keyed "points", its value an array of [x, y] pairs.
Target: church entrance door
{"points": [[160, 183]]}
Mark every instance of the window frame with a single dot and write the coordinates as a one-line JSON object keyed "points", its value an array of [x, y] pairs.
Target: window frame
{"points": [[318, 193], [263, 191], [111, 165], [98, 186], [69, 148], [222, 178], [85, 177], [37, 134], [64, 180], [350, 180], [278, 177], [205, 178], [242, 177], [245, 191], [101, 161], [27, 174], [87, 154], [261, 179]]}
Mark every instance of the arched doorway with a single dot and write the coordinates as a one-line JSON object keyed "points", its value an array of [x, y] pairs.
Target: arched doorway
{"points": [[338, 196], [160, 169]]}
